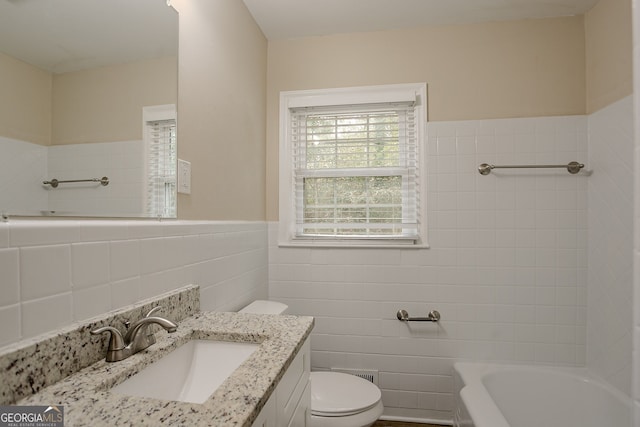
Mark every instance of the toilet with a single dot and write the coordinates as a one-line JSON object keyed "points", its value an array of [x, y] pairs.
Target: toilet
{"points": [[337, 399]]}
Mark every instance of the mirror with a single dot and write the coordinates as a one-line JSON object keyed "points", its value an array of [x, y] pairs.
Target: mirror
{"points": [[89, 89]]}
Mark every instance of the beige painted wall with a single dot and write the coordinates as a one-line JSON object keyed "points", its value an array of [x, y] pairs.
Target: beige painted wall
{"points": [[221, 110], [608, 40], [105, 104], [98, 105], [487, 70], [25, 101]]}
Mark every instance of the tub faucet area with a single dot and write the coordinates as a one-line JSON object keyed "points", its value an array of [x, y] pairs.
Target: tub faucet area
{"points": [[137, 338]]}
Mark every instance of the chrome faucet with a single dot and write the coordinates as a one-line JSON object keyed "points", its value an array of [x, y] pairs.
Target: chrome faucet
{"points": [[137, 338]]}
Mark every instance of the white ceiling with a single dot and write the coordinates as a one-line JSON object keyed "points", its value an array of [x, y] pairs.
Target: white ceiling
{"points": [[68, 35], [281, 19]]}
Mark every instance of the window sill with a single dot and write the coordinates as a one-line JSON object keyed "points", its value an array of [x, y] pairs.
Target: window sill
{"points": [[351, 244]]}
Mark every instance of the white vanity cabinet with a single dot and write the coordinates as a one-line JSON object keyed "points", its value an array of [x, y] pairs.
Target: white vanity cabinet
{"points": [[289, 404], [267, 417]]}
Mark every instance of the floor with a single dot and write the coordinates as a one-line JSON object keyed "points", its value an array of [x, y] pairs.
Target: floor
{"points": [[381, 423]]}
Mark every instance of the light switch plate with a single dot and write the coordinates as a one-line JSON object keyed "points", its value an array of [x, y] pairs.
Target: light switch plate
{"points": [[184, 177]]}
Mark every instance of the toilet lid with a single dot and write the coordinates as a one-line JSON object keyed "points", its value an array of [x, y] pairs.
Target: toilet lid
{"points": [[335, 394], [265, 307]]}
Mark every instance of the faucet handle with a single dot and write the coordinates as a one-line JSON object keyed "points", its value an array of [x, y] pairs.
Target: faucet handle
{"points": [[116, 343]]}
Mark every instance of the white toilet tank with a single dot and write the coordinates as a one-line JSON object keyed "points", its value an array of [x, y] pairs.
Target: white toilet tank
{"points": [[266, 307]]}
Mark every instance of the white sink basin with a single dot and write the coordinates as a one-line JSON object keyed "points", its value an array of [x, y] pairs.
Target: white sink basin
{"points": [[190, 373]]}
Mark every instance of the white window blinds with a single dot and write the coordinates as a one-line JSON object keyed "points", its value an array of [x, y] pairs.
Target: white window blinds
{"points": [[356, 171], [161, 168]]}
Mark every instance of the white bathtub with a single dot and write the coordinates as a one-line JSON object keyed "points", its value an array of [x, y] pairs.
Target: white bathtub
{"points": [[531, 396]]}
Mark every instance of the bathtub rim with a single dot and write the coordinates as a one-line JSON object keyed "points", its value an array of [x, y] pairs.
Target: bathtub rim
{"points": [[481, 406]]}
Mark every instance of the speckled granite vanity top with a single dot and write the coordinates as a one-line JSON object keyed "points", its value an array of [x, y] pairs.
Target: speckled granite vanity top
{"points": [[87, 400]]}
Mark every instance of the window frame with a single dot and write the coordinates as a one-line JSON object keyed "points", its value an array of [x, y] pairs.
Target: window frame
{"points": [[344, 97]]}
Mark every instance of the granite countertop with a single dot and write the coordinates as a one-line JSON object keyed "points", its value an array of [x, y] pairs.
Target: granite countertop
{"points": [[87, 400]]}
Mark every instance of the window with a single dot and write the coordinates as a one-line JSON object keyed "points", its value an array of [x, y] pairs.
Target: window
{"points": [[160, 134], [351, 164]]}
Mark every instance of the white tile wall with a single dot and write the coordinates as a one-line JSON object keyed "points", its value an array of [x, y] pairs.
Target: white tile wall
{"points": [[44, 271], [506, 268], [44, 314], [58, 272], [610, 272], [23, 167], [122, 162]]}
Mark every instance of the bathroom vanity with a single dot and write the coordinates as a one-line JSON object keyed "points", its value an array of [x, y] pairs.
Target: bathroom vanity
{"points": [[270, 388], [289, 404]]}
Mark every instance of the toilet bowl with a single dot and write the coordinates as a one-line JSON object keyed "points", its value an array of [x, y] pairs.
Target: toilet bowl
{"points": [[343, 400], [337, 399]]}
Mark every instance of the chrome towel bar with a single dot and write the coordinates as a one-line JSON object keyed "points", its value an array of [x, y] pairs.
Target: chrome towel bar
{"points": [[433, 316], [54, 182], [572, 167]]}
